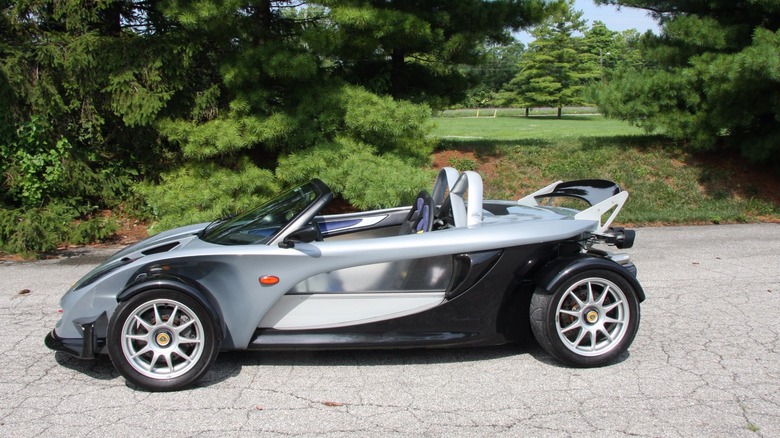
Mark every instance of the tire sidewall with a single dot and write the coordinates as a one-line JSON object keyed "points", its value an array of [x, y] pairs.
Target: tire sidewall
{"points": [[544, 308], [115, 342]]}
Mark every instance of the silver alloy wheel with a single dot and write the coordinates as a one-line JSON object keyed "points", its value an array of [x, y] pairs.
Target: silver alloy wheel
{"points": [[162, 339], [592, 317]]}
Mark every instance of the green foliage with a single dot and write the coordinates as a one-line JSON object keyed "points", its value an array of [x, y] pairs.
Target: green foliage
{"points": [[213, 93], [557, 65], [391, 126], [33, 170], [353, 170], [37, 170], [72, 84], [94, 229], [374, 134], [613, 50], [52, 189], [41, 229], [226, 135], [138, 95], [204, 191], [463, 163], [498, 67], [713, 79], [416, 50], [666, 184], [33, 229]]}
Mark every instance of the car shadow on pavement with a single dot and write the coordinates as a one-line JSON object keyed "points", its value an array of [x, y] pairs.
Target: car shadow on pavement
{"points": [[99, 368], [538, 353], [230, 364]]}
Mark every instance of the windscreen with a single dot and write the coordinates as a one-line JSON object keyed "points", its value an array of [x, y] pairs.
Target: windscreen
{"points": [[260, 225]]}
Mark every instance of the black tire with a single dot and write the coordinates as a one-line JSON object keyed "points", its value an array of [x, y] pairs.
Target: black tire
{"points": [[158, 354], [585, 329]]}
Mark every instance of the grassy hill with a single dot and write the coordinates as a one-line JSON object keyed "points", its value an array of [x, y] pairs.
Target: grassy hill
{"points": [[517, 155]]}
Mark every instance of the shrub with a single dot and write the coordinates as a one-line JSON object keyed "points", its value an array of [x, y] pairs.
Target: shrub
{"points": [[388, 125], [352, 169], [202, 192], [34, 169], [34, 230], [368, 148], [92, 230], [24, 231], [463, 163]]}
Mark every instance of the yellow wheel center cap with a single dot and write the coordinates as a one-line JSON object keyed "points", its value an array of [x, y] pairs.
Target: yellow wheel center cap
{"points": [[163, 339], [592, 316]]}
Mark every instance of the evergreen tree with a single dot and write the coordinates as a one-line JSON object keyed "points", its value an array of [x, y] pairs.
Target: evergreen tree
{"points": [[498, 67], [213, 103], [268, 86], [613, 50], [713, 76], [600, 42], [281, 85], [69, 73], [415, 50], [557, 66]]}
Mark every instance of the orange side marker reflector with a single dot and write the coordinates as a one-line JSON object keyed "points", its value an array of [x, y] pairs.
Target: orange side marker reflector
{"points": [[269, 280]]}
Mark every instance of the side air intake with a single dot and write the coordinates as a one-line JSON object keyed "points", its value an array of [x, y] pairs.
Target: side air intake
{"points": [[162, 248]]}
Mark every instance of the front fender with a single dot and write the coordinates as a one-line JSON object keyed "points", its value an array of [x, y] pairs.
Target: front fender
{"points": [[183, 285], [559, 270]]}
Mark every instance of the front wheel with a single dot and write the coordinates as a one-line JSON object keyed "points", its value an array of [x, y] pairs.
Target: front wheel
{"points": [[587, 321], [162, 340]]}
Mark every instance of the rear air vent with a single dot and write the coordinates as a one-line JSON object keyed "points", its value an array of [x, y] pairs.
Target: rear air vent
{"points": [[162, 248]]}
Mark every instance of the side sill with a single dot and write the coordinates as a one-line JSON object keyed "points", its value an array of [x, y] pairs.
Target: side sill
{"points": [[277, 340]]}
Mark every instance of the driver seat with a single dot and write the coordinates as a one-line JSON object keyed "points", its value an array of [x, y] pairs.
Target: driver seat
{"points": [[420, 217]]}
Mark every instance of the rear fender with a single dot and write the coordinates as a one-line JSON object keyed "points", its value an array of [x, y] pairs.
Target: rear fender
{"points": [[182, 285], [554, 273]]}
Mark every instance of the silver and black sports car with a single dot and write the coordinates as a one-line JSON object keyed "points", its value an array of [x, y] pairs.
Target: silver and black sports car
{"points": [[450, 270]]}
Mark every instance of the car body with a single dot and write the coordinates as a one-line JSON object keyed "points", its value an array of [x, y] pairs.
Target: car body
{"points": [[450, 270]]}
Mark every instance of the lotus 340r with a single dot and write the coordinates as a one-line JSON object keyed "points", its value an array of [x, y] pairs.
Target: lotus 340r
{"points": [[451, 270]]}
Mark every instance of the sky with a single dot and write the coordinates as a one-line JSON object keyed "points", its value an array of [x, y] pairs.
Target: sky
{"points": [[626, 18]]}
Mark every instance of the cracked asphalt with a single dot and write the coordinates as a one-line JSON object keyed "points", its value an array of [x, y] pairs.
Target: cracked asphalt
{"points": [[706, 362]]}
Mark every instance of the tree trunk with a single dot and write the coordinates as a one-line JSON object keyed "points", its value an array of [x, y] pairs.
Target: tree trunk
{"points": [[264, 18], [112, 19], [560, 111], [398, 85]]}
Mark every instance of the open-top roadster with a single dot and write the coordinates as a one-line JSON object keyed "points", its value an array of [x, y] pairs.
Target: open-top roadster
{"points": [[450, 270]]}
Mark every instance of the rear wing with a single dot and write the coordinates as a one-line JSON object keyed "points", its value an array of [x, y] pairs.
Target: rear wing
{"points": [[603, 197]]}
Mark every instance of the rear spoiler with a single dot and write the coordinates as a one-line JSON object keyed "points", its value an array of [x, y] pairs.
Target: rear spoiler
{"points": [[603, 196]]}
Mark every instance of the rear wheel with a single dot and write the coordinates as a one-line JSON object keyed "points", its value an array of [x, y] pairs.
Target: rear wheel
{"points": [[587, 321], [162, 340]]}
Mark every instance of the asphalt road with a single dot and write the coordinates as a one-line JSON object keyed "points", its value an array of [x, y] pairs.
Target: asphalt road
{"points": [[706, 362]]}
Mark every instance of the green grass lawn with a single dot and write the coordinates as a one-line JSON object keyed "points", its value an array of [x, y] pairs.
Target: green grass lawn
{"points": [[666, 185], [521, 128]]}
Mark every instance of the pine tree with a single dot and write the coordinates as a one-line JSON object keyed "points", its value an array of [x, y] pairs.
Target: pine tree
{"points": [[211, 103], [713, 76], [415, 50], [498, 67], [557, 66], [265, 88]]}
